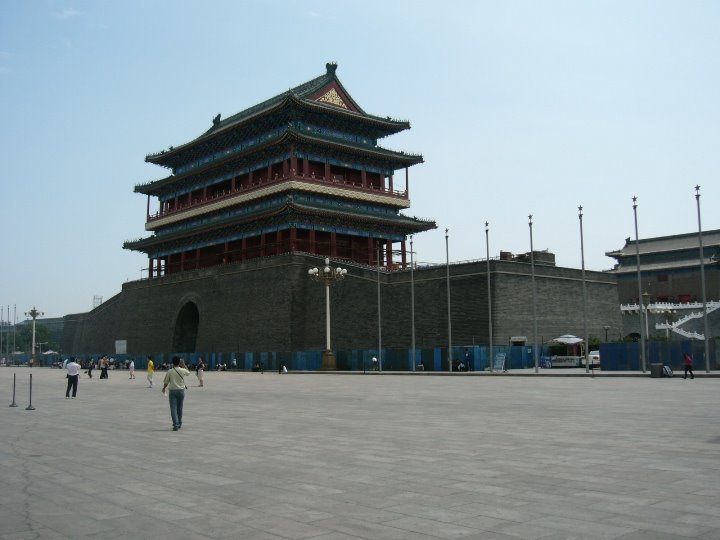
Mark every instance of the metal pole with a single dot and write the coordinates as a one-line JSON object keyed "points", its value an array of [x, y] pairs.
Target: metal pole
{"points": [[30, 407], [489, 295], [534, 296], [584, 289], [412, 304], [327, 315], [33, 351], [639, 280], [13, 404], [379, 311], [702, 281], [447, 275]]}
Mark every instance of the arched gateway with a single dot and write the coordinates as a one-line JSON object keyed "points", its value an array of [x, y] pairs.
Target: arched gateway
{"points": [[186, 328]]}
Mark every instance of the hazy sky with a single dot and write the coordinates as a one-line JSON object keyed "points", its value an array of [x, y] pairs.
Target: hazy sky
{"points": [[518, 107]]}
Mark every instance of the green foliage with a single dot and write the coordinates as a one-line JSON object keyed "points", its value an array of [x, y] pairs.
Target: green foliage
{"points": [[23, 337]]}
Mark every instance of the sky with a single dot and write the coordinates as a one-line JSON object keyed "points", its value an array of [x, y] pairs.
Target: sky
{"points": [[518, 107]]}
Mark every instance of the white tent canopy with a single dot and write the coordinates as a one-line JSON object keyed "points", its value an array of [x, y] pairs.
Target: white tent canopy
{"points": [[569, 339]]}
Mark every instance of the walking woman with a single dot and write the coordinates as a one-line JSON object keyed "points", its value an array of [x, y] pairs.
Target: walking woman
{"points": [[201, 371], [687, 361]]}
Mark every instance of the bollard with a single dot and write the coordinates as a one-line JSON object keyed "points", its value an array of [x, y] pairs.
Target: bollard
{"points": [[13, 404], [30, 407]]}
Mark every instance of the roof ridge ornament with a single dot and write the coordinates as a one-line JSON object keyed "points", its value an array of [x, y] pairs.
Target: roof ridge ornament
{"points": [[331, 67], [216, 120]]}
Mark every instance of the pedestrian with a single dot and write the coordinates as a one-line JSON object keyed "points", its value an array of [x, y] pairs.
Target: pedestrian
{"points": [[281, 366], [150, 371], [104, 367], [468, 360], [175, 380], [687, 361], [91, 367], [131, 367], [73, 374], [201, 371]]}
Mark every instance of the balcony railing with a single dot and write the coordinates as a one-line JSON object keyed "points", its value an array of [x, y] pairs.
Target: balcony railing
{"points": [[334, 180]]}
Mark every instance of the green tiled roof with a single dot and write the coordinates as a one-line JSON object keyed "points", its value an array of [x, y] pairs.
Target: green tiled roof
{"points": [[300, 93]]}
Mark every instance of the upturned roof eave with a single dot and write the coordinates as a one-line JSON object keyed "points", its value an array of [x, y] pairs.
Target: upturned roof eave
{"points": [[414, 224], [289, 134]]}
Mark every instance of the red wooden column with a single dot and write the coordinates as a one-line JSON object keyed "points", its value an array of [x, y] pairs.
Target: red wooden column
{"points": [[250, 178], [262, 244], [243, 249], [182, 261], [388, 253], [197, 258], [150, 268], [327, 172], [226, 249], [363, 178], [311, 240], [293, 161], [333, 244], [204, 196], [269, 173], [278, 242], [371, 250], [390, 183], [293, 238], [403, 255], [232, 184], [286, 168], [306, 166]]}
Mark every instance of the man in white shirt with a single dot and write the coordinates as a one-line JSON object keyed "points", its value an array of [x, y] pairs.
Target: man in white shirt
{"points": [[73, 374]]}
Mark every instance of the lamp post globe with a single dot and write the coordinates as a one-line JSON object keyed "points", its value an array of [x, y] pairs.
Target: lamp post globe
{"points": [[33, 314]]}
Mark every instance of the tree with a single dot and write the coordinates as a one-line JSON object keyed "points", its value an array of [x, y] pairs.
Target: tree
{"points": [[23, 337]]}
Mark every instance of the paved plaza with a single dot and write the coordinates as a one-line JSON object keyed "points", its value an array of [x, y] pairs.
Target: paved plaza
{"points": [[352, 456]]}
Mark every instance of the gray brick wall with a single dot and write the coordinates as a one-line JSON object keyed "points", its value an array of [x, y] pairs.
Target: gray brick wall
{"points": [[272, 305]]}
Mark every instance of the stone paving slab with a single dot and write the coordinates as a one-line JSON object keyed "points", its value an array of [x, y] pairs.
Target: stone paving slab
{"points": [[336, 457]]}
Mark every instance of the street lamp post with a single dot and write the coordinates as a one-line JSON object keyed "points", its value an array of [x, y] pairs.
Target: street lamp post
{"points": [[606, 328], [645, 304], [534, 296], [584, 290], [34, 314], [702, 283], [412, 303], [447, 279], [639, 284], [489, 293], [327, 276]]}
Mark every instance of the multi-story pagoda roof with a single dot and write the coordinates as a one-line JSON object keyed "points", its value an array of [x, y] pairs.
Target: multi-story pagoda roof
{"points": [[322, 95]]}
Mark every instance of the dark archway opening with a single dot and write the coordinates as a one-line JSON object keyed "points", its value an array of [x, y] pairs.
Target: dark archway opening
{"points": [[186, 329]]}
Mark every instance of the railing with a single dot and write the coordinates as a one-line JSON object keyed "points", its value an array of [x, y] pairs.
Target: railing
{"points": [[335, 180]]}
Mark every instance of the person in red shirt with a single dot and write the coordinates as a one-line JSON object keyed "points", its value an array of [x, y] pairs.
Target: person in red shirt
{"points": [[687, 361]]}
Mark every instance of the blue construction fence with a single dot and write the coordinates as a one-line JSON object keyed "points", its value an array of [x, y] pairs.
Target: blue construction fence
{"points": [[613, 357], [473, 358]]}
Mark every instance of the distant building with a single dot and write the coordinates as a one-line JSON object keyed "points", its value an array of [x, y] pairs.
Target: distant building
{"points": [[671, 284]]}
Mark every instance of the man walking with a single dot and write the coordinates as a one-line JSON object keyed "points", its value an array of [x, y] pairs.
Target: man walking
{"points": [[175, 380], [73, 374]]}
